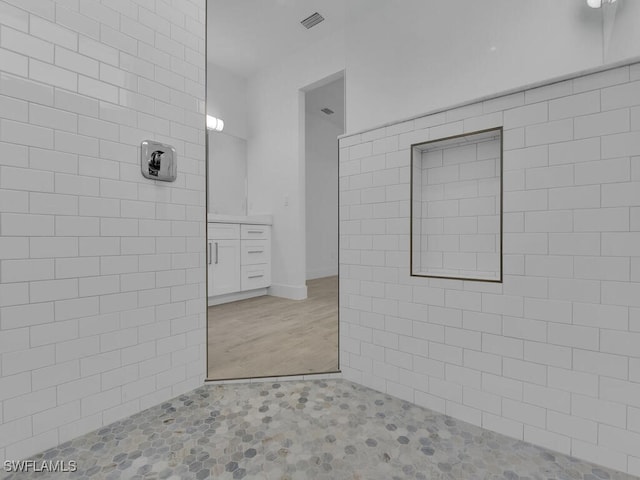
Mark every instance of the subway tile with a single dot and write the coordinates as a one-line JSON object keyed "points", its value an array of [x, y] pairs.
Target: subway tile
{"points": [[621, 293], [26, 134], [609, 413], [97, 89], [523, 412], [26, 225], [583, 429], [14, 109], [621, 145], [504, 102], [618, 439], [552, 399], [548, 221], [76, 62], [605, 171], [547, 92], [14, 17], [574, 197], [13, 62], [621, 194], [14, 155], [600, 80], [574, 289], [28, 359], [25, 89], [26, 179], [547, 177], [15, 201], [547, 310], [601, 268], [525, 200], [52, 118], [99, 51], [603, 316], [575, 105], [51, 32], [525, 328], [601, 220], [575, 151], [621, 244], [526, 158], [621, 96], [599, 124], [619, 342], [54, 204], [26, 44], [29, 403], [547, 354], [26, 270], [573, 336], [77, 22]]}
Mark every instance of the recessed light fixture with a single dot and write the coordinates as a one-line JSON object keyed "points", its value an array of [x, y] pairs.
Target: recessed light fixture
{"points": [[214, 123], [599, 3]]}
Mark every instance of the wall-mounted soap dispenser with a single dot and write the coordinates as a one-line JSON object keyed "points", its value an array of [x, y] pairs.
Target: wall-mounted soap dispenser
{"points": [[158, 161]]}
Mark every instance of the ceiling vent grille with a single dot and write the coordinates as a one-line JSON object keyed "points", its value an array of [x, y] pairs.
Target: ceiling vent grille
{"points": [[312, 20], [328, 111]]}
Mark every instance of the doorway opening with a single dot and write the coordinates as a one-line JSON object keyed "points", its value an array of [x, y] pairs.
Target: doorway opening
{"points": [[268, 314]]}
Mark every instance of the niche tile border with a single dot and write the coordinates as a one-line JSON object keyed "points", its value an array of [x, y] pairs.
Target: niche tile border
{"points": [[421, 145]]}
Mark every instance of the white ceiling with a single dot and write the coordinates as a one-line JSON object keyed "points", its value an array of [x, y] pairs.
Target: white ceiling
{"points": [[245, 35]]}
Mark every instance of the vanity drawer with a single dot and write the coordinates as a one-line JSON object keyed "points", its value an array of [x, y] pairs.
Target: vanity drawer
{"points": [[254, 252], [255, 276], [223, 231], [255, 231]]}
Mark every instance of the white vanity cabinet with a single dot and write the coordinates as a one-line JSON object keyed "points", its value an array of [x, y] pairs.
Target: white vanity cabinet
{"points": [[223, 258], [238, 261], [255, 256]]}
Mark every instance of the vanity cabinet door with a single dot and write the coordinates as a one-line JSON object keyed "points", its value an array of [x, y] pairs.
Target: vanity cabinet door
{"points": [[224, 274]]}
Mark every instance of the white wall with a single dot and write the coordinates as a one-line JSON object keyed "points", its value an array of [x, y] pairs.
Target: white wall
{"points": [[102, 279], [423, 62], [227, 98], [321, 195], [552, 354], [276, 154], [227, 174]]}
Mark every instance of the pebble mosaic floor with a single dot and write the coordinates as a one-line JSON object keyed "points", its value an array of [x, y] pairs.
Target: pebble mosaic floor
{"points": [[311, 429]]}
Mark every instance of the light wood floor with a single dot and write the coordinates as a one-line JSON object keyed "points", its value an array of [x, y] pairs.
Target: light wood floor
{"points": [[271, 336]]}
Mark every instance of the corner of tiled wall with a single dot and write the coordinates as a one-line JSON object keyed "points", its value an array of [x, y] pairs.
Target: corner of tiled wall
{"points": [[551, 355], [101, 270]]}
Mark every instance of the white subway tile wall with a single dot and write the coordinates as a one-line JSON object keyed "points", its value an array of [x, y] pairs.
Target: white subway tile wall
{"points": [[102, 309], [551, 355]]}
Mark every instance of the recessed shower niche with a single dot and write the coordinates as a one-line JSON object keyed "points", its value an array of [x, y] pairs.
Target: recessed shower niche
{"points": [[456, 207]]}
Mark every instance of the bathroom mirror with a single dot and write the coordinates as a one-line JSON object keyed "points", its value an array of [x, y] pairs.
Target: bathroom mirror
{"points": [[456, 207], [272, 197], [227, 176]]}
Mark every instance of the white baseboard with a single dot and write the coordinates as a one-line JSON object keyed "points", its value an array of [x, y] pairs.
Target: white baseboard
{"points": [[292, 292], [233, 297], [322, 272]]}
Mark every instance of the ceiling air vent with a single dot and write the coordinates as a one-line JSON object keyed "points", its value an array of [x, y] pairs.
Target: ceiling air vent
{"points": [[312, 20], [328, 111]]}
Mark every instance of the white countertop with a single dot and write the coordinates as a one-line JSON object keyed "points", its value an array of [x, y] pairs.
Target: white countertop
{"points": [[248, 219]]}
